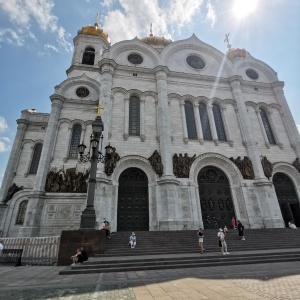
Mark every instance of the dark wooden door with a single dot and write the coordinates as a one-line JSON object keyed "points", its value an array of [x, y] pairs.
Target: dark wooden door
{"points": [[133, 203], [215, 198], [287, 198]]}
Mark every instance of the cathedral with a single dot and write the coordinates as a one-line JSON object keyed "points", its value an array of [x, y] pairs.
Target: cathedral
{"points": [[195, 137]]}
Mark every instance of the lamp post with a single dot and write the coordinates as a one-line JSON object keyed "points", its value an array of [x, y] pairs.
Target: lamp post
{"points": [[88, 216]]}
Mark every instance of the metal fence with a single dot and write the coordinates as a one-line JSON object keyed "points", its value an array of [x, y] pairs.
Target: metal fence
{"points": [[41, 251]]}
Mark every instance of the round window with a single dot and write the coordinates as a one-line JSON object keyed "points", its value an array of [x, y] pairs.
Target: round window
{"points": [[135, 58], [82, 92], [195, 62], [252, 74]]}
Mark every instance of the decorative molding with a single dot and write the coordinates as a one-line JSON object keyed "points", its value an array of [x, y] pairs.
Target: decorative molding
{"points": [[134, 161], [287, 169], [219, 161]]}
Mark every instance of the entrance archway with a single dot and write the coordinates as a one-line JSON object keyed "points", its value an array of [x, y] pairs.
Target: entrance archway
{"points": [[133, 202], [215, 198], [287, 198]]}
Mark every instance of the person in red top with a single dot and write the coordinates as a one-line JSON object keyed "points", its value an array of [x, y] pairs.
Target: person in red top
{"points": [[233, 224]]}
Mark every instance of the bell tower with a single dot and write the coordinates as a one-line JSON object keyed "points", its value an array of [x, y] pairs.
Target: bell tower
{"points": [[89, 44]]}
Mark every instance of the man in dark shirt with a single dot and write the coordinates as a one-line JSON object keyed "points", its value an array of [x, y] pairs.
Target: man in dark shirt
{"points": [[83, 256]]}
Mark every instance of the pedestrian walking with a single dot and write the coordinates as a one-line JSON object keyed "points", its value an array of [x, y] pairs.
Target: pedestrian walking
{"points": [[221, 237], [240, 228], [200, 234], [233, 224]]}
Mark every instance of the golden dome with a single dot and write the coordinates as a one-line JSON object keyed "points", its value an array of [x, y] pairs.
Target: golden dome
{"points": [[94, 30], [232, 53], [156, 41]]}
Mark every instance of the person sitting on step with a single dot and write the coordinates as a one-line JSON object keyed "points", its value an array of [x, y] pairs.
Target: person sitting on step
{"points": [[292, 225], [132, 240]]}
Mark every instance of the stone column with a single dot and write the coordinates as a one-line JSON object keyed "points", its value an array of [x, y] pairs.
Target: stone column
{"points": [[198, 123], [14, 154], [184, 126], [280, 98], [212, 124], [48, 145], [264, 191], [164, 120], [35, 206], [107, 68]]}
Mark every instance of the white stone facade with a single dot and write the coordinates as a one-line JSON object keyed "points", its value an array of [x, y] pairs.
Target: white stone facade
{"points": [[162, 83]]}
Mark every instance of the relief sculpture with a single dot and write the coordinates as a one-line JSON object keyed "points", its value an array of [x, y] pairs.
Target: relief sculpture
{"points": [[11, 191], [111, 160], [182, 165], [296, 164], [68, 181], [245, 166], [155, 162], [267, 167]]}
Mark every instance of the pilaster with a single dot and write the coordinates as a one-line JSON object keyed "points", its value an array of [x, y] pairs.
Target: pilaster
{"points": [[14, 155]]}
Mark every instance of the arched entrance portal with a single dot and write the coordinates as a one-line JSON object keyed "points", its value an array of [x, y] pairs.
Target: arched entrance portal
{"points": [[215, 198], [287, 198], [133, 208]]}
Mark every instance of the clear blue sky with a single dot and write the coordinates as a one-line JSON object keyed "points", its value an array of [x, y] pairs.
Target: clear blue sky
{"points": [[36, 42]]}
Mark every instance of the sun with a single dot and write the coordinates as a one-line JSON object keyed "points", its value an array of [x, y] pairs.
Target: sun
{"points": [[242, 8]]}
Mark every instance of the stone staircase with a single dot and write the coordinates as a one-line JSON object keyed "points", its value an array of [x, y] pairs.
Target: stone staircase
{"points": [[179, 249]]}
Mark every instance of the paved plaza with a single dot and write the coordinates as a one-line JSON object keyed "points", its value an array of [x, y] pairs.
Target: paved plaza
{"points": [[263, 281]]}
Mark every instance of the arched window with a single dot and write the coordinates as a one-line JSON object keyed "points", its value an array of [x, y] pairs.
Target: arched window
{"points": [[35, 158], [190, 120], [88, 56], [219, 123], [267, 127], [134, 116], [204, 122], [21, 213], [75, 141]]}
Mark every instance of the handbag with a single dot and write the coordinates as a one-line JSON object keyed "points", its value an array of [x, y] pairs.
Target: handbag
{"points": [[220, 244]]}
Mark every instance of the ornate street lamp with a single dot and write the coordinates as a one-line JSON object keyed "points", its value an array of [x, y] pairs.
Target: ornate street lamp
{"points": [[88, 216]]}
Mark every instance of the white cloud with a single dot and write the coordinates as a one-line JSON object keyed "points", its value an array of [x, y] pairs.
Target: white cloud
{"points": [[10, 36], [211, 14], [136, 16], [22, 12], [107, 3], [48, 46], [3, 124], [4, 144]]}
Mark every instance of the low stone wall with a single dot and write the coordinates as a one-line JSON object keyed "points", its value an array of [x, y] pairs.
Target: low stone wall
{"points": [[36, 250]]}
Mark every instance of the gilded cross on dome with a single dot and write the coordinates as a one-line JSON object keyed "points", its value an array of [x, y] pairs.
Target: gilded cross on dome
{"points": [[99, 108], [227, 41]]}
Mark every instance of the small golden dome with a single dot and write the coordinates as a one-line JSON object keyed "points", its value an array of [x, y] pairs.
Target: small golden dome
{"points": [[156, 41], [232, 53], [94, 30]]}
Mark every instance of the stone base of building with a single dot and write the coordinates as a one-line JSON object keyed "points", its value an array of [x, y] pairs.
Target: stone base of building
{"points": [[93, 241]]}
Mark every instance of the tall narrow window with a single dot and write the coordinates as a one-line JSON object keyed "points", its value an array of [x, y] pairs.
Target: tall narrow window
{"points": [[21, 213], [134, 116], [88, 56], [35, 158], [219, 123], [204, 122], [267, 126], [190, 120], [75, 141]]}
